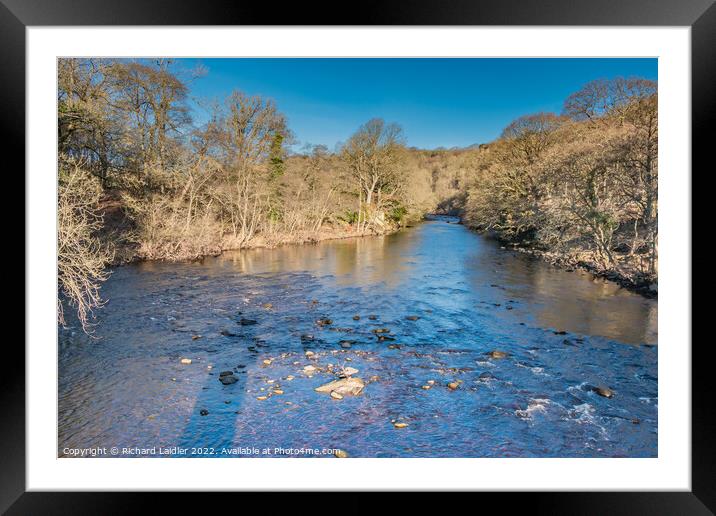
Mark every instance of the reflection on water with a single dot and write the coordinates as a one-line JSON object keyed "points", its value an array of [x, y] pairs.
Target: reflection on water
{"points": [[471, 269], [470, 297]]}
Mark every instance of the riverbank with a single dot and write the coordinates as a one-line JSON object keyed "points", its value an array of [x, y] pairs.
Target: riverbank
{"points": [[119, 234]]}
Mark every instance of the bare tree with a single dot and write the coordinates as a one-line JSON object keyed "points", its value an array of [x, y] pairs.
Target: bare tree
{"points": [[374, 155]]}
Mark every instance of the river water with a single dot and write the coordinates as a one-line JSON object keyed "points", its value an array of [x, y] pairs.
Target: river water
{"points": [[564, 333]]}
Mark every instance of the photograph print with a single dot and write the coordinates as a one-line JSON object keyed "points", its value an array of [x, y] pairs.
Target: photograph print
{"points": [[357, 257]]}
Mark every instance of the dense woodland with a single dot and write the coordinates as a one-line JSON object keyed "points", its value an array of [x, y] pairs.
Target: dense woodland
{"points": [[139, 178]]}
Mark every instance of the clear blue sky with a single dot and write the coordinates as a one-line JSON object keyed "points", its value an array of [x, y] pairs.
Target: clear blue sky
{"points": [[438, 102]]}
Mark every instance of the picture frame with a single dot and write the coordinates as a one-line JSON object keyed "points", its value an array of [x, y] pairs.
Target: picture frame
{"points": [[700, 15]]}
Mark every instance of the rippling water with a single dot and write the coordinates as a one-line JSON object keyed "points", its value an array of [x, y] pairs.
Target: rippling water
{"points": [[128, 388]]}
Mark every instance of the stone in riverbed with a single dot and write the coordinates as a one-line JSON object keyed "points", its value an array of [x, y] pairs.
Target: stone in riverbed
{"points": [[400, 425], [324, 321], [228, 379], [356, 317], [225, 373], [309, 370], [453, 385], [247, 322], [336, 396], [412, 317], [605, 392], [345, 387], [372, 317], [349, 371], [381, 330], [186, 361], [497, 354], [204, 412], [227, 333]]}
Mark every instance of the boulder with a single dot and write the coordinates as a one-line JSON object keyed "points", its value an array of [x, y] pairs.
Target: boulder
{"points": [[345, 387]]}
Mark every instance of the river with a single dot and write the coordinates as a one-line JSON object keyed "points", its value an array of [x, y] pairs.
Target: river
{"points": [[563, 333]]}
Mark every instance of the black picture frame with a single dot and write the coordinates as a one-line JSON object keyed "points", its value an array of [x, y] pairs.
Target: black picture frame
{"points": [[700, 15]]}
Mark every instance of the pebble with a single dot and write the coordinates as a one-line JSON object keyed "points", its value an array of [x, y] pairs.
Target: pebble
{"points": [[195, 337], [400, 425], [277, 391], [309, 369], [356, 317], [309, 353], [267, 362], [261, 398], [228, 379], [185, 361], [412, 317], [426, 387], [204, 412], [453, 385], [497, 354], [336, 396], [348, 371], [605, 392]]}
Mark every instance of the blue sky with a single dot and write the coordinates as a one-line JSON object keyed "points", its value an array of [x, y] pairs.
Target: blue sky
{"points": [[438, 102]]}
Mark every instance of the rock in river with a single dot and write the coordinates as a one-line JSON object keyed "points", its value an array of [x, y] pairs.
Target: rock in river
{"points": [[349, 371], [412, 317], [186, 361], [324, 321], [246, 322], [605, 392], [228, 379], [204, 412], [345, 387], [497, 354]]}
